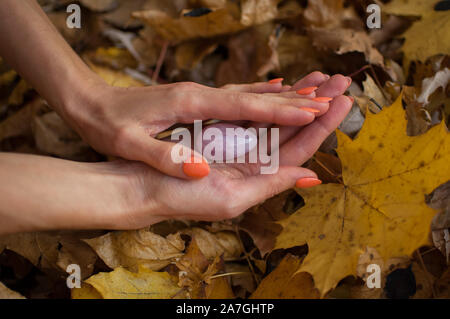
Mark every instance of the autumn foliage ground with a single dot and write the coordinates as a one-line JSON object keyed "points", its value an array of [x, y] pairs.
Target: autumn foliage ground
{"points": [[386, 196]]}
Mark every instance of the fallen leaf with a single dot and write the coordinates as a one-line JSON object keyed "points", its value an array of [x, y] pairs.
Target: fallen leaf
{"points": [[216, 244], [430, 85], [100, 5], [258, 11], [198, 275], [286, 283], [115, 78], [216, 22], [53, 136], [342, 41], [410, 7], [18, 94], [442, 285], [132, 248], [123, 284], [6, 293], [381, 203], [189, 54]]}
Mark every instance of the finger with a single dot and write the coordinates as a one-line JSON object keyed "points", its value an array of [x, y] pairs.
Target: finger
{"points": [[313, 79], [256, 189], [333, 87], [301, 147], [173, 159], [225, 105]]}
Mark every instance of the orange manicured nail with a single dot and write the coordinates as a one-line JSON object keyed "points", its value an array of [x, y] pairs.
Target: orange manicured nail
{"points": [[309, 109], [274, 81], [306, 91], [196, 170], [307, 182], [351, 99], [322, 99]]}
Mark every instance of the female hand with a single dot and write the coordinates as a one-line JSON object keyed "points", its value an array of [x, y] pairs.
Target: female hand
{"points": [[230, 189], [44, 193], [124, 121]]}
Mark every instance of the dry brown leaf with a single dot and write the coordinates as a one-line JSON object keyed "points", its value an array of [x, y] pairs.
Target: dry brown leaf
{"points": [[241, 279], [216, 22], [18, 94], [251, 55], [343, 41], [189, 54], [19, 124], [212, 245], [442, 285], [129, 249], [285, 283], [100, 5], [424, 282], [197, 275], [324, 13], [53, 136], [51, 251], [8, 77], [6, 293], [258, 11]]}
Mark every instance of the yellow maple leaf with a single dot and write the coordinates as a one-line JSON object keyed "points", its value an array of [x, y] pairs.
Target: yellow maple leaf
{"points": [[380, 203], [428, 36], [124, 284], [410, 7]]}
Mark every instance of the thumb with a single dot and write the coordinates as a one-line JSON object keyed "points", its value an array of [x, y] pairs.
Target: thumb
{"points": [[173, 159], [261, 187]]}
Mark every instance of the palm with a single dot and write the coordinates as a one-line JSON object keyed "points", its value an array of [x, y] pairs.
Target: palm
{"points": [[230, 189]]}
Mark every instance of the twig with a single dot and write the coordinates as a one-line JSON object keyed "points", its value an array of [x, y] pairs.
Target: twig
{"points": [[160, 62], [330, 171], [246, 255], [426, 273], [231, 274]]}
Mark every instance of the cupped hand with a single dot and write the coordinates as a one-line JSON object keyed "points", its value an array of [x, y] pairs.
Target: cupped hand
{"points": [[230, 189], [124, 121]]}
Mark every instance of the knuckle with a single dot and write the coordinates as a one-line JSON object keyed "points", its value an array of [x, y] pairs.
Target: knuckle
{"points": [[122, 137], [315, 74], [189, 86], [163, 157]]}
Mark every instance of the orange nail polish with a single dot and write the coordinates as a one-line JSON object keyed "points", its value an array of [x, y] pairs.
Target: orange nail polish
{"points": [[309, 109], [196, 170], [274, 81], [322, 99], [306, 91], [351, 99], [307, 182]]}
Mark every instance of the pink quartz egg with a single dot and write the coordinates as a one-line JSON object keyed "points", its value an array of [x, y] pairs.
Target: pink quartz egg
{"points": [[230, 140]]}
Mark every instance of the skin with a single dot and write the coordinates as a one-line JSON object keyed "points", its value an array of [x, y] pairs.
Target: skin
{"points": [[146, 187]]}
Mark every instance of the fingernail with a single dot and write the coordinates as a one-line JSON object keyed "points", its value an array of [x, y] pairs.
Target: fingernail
{"points": [[307, 91], [322, 99], [307, 182], [274, 81], [196, 170], [349, 79], [351, 99], [309, 109], [327, 77]]}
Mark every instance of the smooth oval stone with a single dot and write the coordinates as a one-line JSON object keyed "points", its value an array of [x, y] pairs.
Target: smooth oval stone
{"points": [[234, 144]]}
